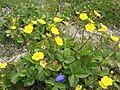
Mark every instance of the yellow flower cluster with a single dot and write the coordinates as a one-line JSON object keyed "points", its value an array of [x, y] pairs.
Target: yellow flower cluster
{"points": [[28, 29], [3, 65], [78, 87], [55, 31], [105, 82], [90, 27], [37, 56]]}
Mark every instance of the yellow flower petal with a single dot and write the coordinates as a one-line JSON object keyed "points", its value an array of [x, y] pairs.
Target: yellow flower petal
{"points": [[43, 63], [54, 30], [77, 12], [97, 14], [48, 34], [33, 22], [119, 45], [79, 87], [37, 56], [3, 65], [100, 83], [13, 27], [103, 28], [105, 81], [114, 38], [91, 20], [90, 27], [28, 28], [56, 19], [59, 41], [83, 16], [41, 21], [14, 20]]}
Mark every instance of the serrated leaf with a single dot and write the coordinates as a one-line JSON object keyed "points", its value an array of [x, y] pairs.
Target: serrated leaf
{"points": [[29, 82], [82, 73], [67, 53], [15, 78], [73, 80]]}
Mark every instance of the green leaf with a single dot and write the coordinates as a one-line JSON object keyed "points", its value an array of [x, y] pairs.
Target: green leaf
{"points": [[67, 53], [60, 57], [82, 73], [55, 88], [50, 81], [75, 67], [60, 86], [73, 80], [41, 76], [104, 72], [29, 82], [22, 73], [15, 78], [69, 60], [54, 65]]}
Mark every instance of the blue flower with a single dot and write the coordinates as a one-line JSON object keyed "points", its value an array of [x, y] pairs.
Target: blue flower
{"points": [[60, 78]]}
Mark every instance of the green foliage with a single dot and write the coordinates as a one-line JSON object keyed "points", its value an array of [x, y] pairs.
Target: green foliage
{"points": [[82, 62]]}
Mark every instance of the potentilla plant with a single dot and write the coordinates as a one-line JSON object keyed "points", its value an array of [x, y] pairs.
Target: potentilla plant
{"points": [[56, 61]]}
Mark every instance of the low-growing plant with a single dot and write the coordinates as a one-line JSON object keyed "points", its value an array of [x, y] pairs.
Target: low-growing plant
{"points": [[57, 61]]}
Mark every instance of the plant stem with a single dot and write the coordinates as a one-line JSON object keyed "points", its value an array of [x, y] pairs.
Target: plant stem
{"points": [[111, 51], [83, 44], [98, 45]]}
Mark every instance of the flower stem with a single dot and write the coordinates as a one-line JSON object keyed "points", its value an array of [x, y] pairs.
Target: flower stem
{"points": [[98, 45], [113, 49], [83, 44]]}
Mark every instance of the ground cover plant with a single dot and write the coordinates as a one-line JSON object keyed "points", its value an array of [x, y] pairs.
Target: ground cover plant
{"points": [[55, 60]]}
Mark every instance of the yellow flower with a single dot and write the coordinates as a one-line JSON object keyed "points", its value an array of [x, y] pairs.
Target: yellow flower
{"points": [[41, 21], [3, 65], [83, 16], [28, 28], [52, 25], [56, 19], [105, 82], [90, 27], [119, 45], [33, 22], [103, 28], [43, 63], [79, 87], [43, 45], [54, 30], [13, 27], [114, 38], [37, 56], [14, 20], [59, 41], [91, 20], [48, 34], [97, 14]]}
